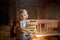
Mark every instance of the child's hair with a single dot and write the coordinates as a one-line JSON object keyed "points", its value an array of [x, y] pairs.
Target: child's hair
{"points": [[22, 10]]}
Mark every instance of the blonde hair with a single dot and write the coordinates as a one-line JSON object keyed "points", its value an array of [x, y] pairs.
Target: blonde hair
{"points": [[22, 10]]}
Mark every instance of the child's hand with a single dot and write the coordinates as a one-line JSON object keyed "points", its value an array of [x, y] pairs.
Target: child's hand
{"points": [[29, 32]]}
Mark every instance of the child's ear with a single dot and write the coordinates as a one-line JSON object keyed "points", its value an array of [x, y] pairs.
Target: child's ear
{"points": [[27, 16]]}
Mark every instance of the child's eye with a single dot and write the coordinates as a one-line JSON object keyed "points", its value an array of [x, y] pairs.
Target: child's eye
{"points": [[24, 15]]}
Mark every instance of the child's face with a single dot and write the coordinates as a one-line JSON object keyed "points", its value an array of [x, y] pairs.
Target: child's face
{"points": [[22, 16]]}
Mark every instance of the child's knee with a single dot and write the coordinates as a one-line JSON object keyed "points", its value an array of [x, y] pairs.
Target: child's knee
{"points": [[23, 36]]}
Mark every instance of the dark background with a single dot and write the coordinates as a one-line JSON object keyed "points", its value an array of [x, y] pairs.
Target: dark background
{"points": [[37, 9]]}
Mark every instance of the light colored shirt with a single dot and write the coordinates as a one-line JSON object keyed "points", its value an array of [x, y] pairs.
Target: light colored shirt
{"points": [[24, 24]]}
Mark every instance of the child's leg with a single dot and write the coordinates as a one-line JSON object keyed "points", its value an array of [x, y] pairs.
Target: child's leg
{"points": [[23, 37]]}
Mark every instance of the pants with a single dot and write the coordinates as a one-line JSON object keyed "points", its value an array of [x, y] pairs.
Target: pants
{"points": [[25, 37]]}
